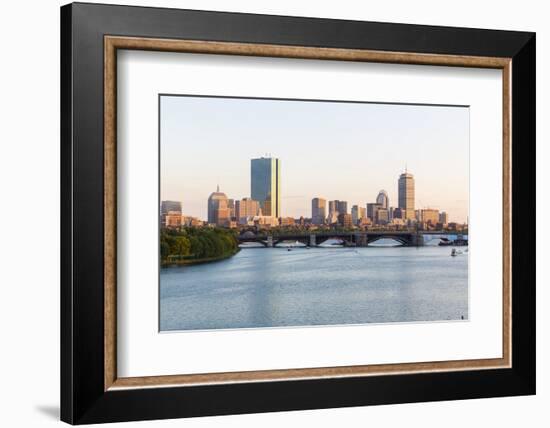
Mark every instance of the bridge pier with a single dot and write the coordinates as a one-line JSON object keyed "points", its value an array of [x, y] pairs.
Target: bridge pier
{"points": [[417, 240], [361, 240], [312, 240], [270, 241]]}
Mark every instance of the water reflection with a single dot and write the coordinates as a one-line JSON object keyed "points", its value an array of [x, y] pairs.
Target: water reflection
{"points": [[271, 287]]}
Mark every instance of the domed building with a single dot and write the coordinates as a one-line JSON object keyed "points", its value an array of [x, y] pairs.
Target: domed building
{"points": [[383, 199], [218, 208]]}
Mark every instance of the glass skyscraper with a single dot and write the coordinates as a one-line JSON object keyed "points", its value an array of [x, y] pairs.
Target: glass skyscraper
{"points": [[265, 185]]}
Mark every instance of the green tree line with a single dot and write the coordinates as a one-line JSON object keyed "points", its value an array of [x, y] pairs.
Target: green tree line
{"points": [[197, 243]]}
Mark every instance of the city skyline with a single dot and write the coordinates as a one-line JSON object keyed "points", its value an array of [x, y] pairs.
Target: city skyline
{"points": [[346, 175], [265, 175]]}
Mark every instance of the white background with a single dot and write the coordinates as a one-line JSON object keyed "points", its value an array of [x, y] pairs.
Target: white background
{"points": [[144, 352], [29, 173]]}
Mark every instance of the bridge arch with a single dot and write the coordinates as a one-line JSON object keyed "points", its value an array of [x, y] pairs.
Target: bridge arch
{"points": [[344, 240], [302, 240], [400, 239], [252, 241]]}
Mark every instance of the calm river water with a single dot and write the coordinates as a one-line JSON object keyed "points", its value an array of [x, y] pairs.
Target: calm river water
{"points": [[272, 287]]}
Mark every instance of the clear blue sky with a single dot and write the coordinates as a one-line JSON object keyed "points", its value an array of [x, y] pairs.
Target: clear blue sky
{"points": [[345, 151]]}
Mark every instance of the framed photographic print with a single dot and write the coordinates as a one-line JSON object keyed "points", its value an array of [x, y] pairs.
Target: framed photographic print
{"points": [[264, 213]]}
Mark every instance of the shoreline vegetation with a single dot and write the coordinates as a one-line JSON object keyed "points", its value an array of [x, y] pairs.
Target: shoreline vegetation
{"points": [[189, 246]]}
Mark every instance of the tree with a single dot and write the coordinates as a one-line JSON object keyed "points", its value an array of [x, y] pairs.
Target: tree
{"points": [[199, 243], [164, 249], [182, 246]]}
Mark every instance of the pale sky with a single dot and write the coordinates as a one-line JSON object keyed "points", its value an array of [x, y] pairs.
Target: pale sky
{"points": [[333, 150]]}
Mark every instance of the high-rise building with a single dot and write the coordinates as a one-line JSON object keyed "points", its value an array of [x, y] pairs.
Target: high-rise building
{"points": [[265, 185], [218, 210], [372, 208], [357, 213], [383, 199], [246, 207], [342, 207], [406, 195], [318, 210], [444, 218], [382, 216], [166, 207], [332, 212], [337, 207], [231, 206], [354, 214], [332, 208]]}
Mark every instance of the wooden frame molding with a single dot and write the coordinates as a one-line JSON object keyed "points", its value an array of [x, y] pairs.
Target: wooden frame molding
{"points": [[113, 43]]}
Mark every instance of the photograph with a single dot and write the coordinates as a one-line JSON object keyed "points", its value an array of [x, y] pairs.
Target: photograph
{"points": [[297, 213]]}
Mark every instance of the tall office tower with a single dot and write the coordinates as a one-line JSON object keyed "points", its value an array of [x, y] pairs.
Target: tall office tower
{"points": [[318, 210], [443, 217], [337, 207], [357, 213], [167, 206], [218, 210], [362, 213], [383, 199], [406, 195], [332, 208], [342, 207], [332, 212], [265, 185]]}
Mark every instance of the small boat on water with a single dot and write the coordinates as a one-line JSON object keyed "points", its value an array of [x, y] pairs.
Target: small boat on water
{"points": [[444, 242], [455, 252]]}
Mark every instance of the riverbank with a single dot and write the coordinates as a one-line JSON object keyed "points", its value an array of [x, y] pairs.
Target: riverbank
{"points": [[188, 262]]}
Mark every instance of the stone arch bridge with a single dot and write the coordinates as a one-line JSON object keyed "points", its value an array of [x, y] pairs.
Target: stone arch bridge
{"points": [[349, 239]]}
